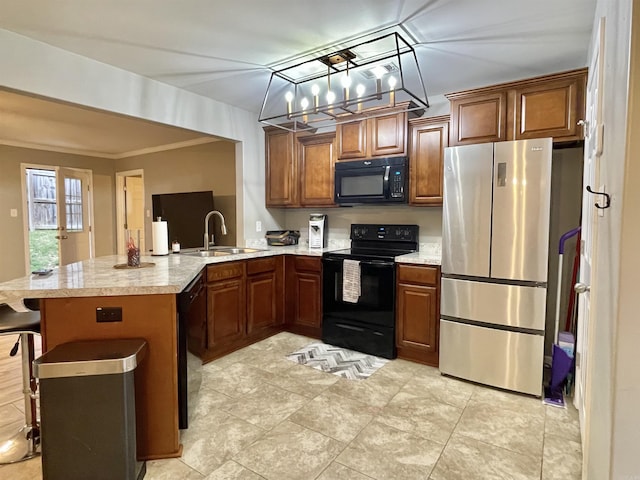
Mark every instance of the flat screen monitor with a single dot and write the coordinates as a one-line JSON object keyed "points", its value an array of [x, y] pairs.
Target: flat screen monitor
{"points": [[184, 214]]}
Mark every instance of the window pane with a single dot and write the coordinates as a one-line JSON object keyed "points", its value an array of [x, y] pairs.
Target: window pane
{"points": [[73, 203]]}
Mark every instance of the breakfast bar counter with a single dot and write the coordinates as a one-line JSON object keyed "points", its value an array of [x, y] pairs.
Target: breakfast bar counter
{"points": [[92, 300]]}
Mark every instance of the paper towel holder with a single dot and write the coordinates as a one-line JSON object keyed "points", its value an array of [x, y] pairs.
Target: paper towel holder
{"points": [[160, 238]]}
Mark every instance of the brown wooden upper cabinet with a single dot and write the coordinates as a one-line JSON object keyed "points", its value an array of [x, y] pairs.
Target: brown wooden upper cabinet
{"points": [[316, 159], [428, 139], [299, 168], [479, 119], [380, 136], [281, 168], [548, 106], [550, 109]]}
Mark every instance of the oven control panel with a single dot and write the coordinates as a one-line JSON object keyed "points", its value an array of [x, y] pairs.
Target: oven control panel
{"points": [[408, 233]]}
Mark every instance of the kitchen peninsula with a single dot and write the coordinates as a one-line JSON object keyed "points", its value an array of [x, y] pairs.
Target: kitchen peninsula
{"points": [[147, 297]]}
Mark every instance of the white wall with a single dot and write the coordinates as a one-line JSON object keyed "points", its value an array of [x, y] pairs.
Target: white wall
{"points": [[37, 68], [611, 448]]}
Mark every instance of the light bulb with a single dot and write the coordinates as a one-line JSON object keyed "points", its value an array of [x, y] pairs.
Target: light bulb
{"points": [[315, 90], [378, 71], [304, 103], [330, 96], [346, 81], [360, 89], [288, 96], [392, 82]]}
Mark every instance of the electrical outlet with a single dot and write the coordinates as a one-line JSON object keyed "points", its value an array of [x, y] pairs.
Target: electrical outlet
{"points": [[148, 213], [13, 212], [258, 226], [108, 314]]}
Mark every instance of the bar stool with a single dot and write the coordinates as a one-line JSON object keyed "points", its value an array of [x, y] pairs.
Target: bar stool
{"points": [[24, 443]]}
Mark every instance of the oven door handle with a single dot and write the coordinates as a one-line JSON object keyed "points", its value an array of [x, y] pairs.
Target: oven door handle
{"points": [[369, 263], [334, 260], [378, 264], [349, 327]]}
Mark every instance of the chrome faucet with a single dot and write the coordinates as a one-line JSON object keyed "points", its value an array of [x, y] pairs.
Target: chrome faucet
{"points": [[223, 227]]}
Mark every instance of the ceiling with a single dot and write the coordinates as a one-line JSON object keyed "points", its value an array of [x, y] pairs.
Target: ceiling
{"points": [[227, 50], [32, 122]]}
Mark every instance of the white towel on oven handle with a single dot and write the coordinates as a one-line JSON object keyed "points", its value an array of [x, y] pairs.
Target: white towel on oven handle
{"points": [[350, 281]]}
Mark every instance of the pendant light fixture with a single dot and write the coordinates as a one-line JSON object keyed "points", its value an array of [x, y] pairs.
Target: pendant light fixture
{"points": [[370, 74]]}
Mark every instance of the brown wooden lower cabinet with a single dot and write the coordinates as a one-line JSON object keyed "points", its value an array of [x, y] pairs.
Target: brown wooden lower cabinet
{"points": [[304, 295], [225, 312], [264, 294], [244, 304], [417, 313]]}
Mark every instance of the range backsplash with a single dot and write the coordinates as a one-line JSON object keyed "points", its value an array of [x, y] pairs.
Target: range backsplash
{"points": [[429, 219]]}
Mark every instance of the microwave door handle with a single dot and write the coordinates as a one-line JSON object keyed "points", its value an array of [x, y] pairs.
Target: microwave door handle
{"points": [[385, 184]]}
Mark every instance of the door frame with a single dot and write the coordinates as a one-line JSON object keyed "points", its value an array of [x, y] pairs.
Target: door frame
{"points": [[120, 207], [594, 133], [25, 211]]}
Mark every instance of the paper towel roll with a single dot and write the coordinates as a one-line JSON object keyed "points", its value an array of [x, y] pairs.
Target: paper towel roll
{"points": [[160, 238]]}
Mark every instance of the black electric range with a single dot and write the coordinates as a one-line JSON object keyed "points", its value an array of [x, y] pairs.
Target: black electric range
{"points": [[366, 321]]}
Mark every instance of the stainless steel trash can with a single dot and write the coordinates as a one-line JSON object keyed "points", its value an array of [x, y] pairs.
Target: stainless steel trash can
{"points": [[87, 410]]}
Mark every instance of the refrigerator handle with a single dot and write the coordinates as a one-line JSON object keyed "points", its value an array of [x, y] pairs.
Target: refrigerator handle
{"points": [[502, 174]]}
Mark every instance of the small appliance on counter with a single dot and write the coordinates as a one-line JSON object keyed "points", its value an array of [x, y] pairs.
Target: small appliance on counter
{"points": [[282, 237], [318, 230]]}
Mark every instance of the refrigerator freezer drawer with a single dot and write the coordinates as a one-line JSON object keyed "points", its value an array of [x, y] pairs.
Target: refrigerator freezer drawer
{"points": [[499, 358], [510, 305]]}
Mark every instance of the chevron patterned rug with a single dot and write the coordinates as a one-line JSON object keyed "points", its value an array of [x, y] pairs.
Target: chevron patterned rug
{"points": [[339, 361]]}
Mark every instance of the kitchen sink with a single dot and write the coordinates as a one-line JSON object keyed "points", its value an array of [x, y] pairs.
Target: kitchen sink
{"points": [[239, 250], [221, 251], [207, 253]]}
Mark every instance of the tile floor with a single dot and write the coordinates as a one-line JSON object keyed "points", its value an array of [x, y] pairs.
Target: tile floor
{"points": [[261, 416]]}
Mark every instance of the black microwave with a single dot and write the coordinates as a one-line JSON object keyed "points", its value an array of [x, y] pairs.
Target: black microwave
{"points": [[379, 180]]}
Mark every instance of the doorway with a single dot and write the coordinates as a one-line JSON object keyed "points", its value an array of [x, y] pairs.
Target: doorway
{"points": [[58, 216], [129, 206]]}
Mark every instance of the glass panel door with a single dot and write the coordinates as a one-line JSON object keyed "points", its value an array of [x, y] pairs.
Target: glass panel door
{"points": [[74, 233]]}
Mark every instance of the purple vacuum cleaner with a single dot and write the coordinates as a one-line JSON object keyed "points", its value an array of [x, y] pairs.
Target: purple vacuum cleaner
{"points": [[564, 342]]}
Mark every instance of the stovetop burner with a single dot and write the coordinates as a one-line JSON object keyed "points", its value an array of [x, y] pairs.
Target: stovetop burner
{"points": [[384, 242]]}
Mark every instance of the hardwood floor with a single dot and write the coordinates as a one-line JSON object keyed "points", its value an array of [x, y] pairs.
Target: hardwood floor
{"points": [[11, 371]]}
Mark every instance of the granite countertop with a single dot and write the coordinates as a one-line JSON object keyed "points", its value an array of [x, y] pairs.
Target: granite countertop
{"points": [[169, 274], [428, 254], [419, 258]]}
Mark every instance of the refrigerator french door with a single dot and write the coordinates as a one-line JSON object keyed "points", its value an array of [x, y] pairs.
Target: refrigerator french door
{"points": [[494, 263]]}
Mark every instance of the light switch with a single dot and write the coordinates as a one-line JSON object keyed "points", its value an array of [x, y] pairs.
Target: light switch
{"points": [[258, 226], [13, 212], [148, 213]]}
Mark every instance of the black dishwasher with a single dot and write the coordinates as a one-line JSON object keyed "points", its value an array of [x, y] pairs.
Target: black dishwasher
{"points": [[192, 308]]}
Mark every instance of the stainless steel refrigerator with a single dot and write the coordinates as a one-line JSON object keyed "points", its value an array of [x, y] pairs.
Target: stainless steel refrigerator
{"points": [[495, 243]]}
